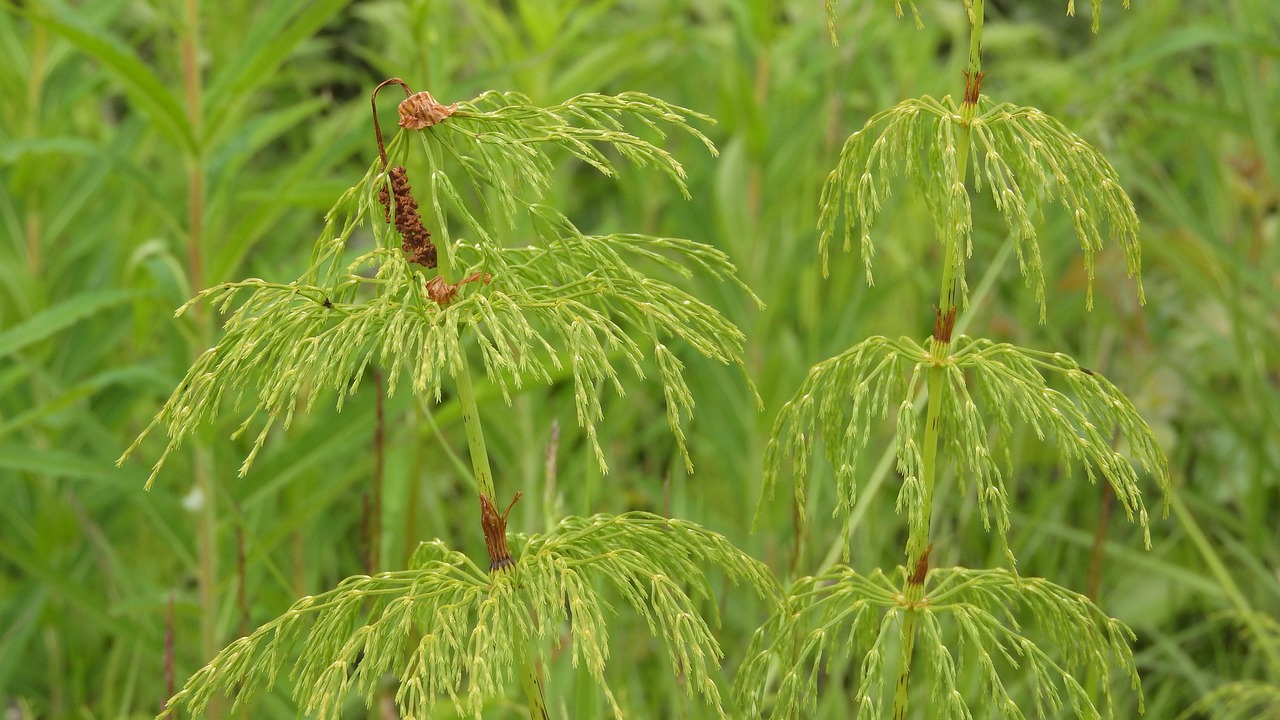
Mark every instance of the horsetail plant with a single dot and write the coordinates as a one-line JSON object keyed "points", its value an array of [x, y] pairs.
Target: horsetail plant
{"points": [[444, 290], [972, 641]]}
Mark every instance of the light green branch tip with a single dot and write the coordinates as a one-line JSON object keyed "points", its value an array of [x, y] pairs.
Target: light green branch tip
{"points": [[832, 11], [1022, 156]]}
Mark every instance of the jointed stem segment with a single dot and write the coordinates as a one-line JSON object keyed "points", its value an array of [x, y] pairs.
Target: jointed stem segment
{"points": [[918, 546]]}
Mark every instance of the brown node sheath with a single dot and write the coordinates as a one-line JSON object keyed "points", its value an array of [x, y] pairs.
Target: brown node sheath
{"points": [[417, 241], [943, 323], [972, 87], [922, 567], [495, 532]]}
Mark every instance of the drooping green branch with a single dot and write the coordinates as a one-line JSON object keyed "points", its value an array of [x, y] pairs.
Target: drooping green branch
{"points": [[988, 385], [568, 302], [1021, 156], [452, 633], [971, 636], [501, 133], [1094, 5]]}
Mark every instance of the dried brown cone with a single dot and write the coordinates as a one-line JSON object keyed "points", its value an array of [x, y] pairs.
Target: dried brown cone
{"points": [[417, 241]]}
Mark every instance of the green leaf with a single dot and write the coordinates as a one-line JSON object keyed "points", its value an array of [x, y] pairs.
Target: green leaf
{"points": [[59, 463], [150, 94], [55, 319], [279, 30]]}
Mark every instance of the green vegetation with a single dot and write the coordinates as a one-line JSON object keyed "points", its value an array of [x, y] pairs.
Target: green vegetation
{"points": [[151, 150], [965, 626]]}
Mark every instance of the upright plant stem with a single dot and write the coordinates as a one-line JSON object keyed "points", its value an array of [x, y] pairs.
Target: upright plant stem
{"points": [[207, 523], [531, 683], [526, 667], [35, 88], [475, 433], [940, 347], [467, 399]]}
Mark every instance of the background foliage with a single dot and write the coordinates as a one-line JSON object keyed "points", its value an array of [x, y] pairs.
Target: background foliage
{"points": [[103, 135]]}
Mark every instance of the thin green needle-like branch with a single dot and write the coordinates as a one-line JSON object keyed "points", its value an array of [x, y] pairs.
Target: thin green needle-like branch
{"points": [[983, 627], [986, 386], [974, 388], [1022, 156], [559, 300], [479, 275], [918, 539], [454, 634]]}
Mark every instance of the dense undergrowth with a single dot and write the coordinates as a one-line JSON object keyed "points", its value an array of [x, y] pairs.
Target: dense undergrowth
{"points": [[145, 156]]}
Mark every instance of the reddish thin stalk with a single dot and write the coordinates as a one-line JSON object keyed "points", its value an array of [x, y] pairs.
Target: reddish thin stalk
{"points": [[242, 604], [373, 103], [170, 685], [1094, 584]]}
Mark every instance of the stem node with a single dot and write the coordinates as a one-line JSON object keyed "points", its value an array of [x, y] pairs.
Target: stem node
{"points": [[495, 532]]}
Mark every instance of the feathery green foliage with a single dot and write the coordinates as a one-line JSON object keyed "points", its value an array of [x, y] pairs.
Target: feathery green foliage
{"points": [[1021, 154], [570, 300], [842, 396], [451, 632], [1094, 5], [982, 631], [973, 386], [1179, 96]]}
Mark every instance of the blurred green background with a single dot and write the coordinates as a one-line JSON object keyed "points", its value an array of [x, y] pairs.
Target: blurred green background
{"points": [[143, 153]]}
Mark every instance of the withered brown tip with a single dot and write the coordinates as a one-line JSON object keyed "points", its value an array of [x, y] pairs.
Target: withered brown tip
{"points": [[420, 110]]}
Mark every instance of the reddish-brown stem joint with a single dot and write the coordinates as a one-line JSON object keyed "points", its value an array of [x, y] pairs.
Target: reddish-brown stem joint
{"points": [[943, 323], [972, 87], [495, 532], [921, 569]]}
